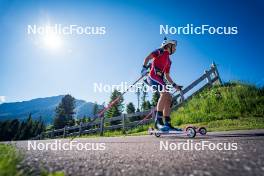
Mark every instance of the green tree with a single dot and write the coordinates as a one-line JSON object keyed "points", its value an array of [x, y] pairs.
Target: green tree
{"points": [[14, 125], [130, 108], [95, 109], [39, 126], [138, 97], [19, 134], [1, 130], [27, 129], [65, 112], [155, 98], [14, 130], [145, 105], [86, 119], [117, 108], [4, 130]]}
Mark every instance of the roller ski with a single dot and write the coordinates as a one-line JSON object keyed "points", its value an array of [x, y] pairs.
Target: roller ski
{"points": [[189, 131]]}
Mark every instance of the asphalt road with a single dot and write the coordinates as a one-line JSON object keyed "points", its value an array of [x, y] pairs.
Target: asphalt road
{"points": [[141, 155]]}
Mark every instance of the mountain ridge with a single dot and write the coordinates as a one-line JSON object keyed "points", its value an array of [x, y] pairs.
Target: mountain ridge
{"points": [[44, 107]]}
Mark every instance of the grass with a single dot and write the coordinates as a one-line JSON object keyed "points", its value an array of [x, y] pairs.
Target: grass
{"points": [[236, 124], [231, 124], [232, 106], [230, 101], [140, 130], [9, 158], [59, 173]]}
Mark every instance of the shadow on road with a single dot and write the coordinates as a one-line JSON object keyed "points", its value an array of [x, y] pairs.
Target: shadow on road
{"points": [[238, 135], [212, 136]]}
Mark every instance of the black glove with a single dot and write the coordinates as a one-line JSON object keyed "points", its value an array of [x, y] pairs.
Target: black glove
{"points": [[144, 70], [177, 87]]}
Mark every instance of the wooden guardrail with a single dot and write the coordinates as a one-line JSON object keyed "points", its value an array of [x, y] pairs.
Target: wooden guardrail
{"points": [[127, 121]]}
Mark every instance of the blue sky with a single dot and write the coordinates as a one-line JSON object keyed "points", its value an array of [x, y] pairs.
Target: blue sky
{"points": [[30, 69]]}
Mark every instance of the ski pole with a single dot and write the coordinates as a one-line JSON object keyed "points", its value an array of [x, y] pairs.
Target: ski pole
{"points": [[114, 101], [118, 98]]}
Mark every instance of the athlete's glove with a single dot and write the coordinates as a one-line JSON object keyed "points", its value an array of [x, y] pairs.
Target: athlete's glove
{"points": [[177, 87], [144, 70]]}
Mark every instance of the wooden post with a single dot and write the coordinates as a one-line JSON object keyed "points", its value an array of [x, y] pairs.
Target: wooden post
{"points": [[80, 129], [182, 96], [216, 73], [40, 136], [65, 132], [153, 113], [123, 123], [102, 126], [208, 77], [52, 134]]}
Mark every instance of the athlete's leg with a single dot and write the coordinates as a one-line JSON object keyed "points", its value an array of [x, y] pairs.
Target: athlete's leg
{"points": [[167, 104], [166, 113], [159, 124], [161, 102], [159, 113]]}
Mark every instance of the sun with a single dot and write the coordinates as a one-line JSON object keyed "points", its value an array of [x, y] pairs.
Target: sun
{"points": [[52, 40]]}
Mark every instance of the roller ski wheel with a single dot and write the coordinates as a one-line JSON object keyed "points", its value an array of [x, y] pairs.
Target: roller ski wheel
{"points": [[150, 131], [202, 130], [157, 134], [191, 132]]}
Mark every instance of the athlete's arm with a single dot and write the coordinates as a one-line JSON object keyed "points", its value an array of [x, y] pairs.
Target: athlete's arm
{"points": [[146, 60], [144, 70], [168, 78]]}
